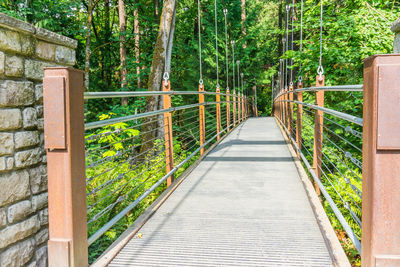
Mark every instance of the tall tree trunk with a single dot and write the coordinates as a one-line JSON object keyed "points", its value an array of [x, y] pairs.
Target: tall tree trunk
{"points": [[122, 47], [90, 8], [243, 18], [106, 50], [136, 29], [162, 49]]}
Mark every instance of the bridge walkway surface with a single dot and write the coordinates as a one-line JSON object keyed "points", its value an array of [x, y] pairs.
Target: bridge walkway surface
{"points": [[243, 205]]}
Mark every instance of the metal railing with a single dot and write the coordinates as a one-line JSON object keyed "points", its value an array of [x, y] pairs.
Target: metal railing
{"points": [[329, 152], [352, 158], [122, 163]]}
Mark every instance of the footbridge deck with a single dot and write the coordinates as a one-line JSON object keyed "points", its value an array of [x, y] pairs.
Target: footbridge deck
{"points": [[243, 205]]}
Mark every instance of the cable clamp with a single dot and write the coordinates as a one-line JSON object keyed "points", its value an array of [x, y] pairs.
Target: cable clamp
{"points": [[166, 78], [201, 81], [300, 79], [320, 71]]}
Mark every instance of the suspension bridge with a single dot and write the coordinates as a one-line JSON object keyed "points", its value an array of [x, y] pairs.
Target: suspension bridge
{"points": [[211, 183]]}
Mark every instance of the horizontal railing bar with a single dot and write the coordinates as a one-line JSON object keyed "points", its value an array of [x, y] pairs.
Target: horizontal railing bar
{"points": [[328, 198], [331, 88], [98, 124], [120, 215], [98, 95], [338, 114]]}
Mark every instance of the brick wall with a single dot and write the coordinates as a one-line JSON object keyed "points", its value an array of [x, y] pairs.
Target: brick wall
{"points": [[24, 51]]}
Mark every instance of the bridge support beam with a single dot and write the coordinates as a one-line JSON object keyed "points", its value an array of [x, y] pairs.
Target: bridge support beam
{"points": [[218, 112], [169, 146], [228, 110], [202, 119], [318, 130], [299, 122], [381, 162], [65, 148]]}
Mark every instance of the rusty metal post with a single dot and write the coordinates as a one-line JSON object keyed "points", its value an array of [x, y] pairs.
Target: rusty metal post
{"points": [[299, 123], [243, 108], [290, 112], [65, 148], [238, 107], [169, 145], [202, 120], [234, 108], [318, 130], [218, 112], [228, 110], [381, 162]]}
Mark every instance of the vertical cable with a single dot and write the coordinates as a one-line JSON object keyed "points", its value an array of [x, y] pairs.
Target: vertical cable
{"points": [[226, 51], [199, 26], [233, 63], [166, 74], [216, 39], [291, 60], [287, 45], [301, 42], [320, 70]]}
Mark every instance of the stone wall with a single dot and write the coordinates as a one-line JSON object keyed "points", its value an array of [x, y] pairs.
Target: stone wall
{"points": [[24, 51]]}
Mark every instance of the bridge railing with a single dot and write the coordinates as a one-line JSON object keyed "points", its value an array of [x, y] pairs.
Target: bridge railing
{"points": [[353, 160], [103, 174]]}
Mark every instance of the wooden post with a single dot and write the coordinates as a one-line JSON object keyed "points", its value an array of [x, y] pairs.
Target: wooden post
{"points": [[65, 148], [299, 123], [318, 130], [290, 108], [234, 108], [381, 162], [169, 145], [218, 112], [228, 109], [202, 120]]}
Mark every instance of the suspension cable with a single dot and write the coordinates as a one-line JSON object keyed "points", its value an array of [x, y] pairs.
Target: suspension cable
{"points": [[238, 69], [226, 51], [216, 39], [199, 26], [233, 63], [287, 45], [301, 42], [166, 74], [320, 70], [291, 60]]}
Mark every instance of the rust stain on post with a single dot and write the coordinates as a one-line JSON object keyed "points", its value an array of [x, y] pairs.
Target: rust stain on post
{"points": [[169, 146], [381, 158], [318, 130], [67, 245]]}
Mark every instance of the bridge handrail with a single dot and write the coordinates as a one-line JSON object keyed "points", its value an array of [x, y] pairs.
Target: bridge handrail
{"points": [[338, 114], [102, 95]]}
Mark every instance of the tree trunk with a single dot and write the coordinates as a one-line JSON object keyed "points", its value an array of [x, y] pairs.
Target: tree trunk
{"points": [[122, 47], [88, 38], [136, 29], [156, 74], [106, 50]]}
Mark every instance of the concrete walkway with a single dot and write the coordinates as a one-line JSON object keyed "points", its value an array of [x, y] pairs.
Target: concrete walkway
{"points": [[244, 205]]}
